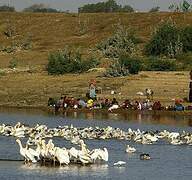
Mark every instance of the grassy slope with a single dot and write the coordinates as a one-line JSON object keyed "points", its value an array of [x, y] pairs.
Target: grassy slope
{"points": [[54, 31]]}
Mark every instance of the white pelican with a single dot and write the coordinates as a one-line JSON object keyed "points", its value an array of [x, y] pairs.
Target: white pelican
{"points": [[62, 155], [119, 163], [73, 153], [130, 149], [27, 154]]}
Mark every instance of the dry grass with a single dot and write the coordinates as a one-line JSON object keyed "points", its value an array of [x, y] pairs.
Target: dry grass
{"points": [[53, 31], [33, 89]]}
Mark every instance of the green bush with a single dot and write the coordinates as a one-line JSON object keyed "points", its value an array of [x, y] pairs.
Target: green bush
{"points": [[165, 41], [108, 6], [184, 61], [157, 64], [132, 64], [68, 61], [186, 38], [124, 66], [123, 41], [13, 63]]}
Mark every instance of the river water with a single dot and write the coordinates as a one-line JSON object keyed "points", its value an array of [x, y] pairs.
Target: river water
{"points": [[167, 162]]}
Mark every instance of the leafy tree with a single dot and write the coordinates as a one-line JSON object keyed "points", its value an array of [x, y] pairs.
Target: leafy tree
{"points": [[157, 64], [127, 8], [186, 38], [40, 8], [109, 6], [154, 9], [7, 8], [68, 61], [165, 41], [123, 41], [131, 63], [124, 66]]}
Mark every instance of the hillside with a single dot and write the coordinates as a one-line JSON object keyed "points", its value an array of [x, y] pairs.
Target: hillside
{"points": [[29, 84], [50, 32]]}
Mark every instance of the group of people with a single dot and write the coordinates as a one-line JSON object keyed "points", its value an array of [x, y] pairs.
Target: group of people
{"points": [[110, 104]]}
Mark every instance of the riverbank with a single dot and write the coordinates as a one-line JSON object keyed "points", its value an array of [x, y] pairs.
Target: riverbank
{"points": [[34, 89], [121, 111]]}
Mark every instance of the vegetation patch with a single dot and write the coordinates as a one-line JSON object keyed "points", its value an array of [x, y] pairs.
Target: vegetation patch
{"points": [[69, 61], [123, 41]]}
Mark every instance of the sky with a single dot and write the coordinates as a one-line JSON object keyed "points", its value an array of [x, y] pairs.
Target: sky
{"points": [[72, 5]]}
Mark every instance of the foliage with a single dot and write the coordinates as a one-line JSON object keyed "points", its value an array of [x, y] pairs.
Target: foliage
{"points": [[68, 61], [124, 66], [154, 9], [10, 30], [186, 38], [126, 8], [7, 8], [26, 44], [165, 41], [40, 8], [109, 6], [13, 63], [184, 61], [123, 41], [157, 64], [82, 27], [180, 7], [133, 64]]}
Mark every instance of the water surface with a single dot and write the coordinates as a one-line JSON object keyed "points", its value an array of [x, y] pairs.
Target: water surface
{"points": [[168, 161]]}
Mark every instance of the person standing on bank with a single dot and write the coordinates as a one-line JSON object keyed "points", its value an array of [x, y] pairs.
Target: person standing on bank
{"points": [[92, 90]]}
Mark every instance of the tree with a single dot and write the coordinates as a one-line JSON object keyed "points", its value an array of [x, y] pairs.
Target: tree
{"points": [[154, 9], [127, 8], [186, 38], [109, 6], [123, 41], [7, 8], [165, 41], [40, 8]]}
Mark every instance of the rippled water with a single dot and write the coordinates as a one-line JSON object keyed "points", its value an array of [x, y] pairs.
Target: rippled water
{"points": [[168, 161]]}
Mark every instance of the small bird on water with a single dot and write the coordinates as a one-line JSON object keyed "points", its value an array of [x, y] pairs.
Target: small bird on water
{"points": [[145, 156], [119, 163]]}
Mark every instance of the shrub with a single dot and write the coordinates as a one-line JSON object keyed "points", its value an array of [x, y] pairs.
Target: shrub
{"points": [[108, 6], [26, 43], [186, 38], [154, 9], [132, 64], [157, 64], [184, 61], [124, 66], [68, 61], [6, 8], [165, 41], [40, 8], [13, 63], [123, 41]]}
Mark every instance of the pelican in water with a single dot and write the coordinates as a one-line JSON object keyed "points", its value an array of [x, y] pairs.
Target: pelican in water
{"points": [[119, 163], [28, 154], [130, 149], [83, 154], [99, 154], [62, 155]]}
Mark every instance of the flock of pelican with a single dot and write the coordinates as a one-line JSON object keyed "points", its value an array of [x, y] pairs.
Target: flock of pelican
{"points": [[36, 148], [53, 154]]}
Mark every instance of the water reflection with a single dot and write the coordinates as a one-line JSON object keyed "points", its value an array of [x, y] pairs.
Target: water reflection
{"points": [[73, 170], [138, 117], [167, 160]]}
